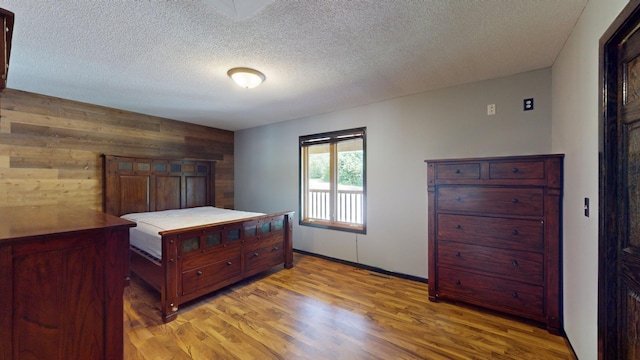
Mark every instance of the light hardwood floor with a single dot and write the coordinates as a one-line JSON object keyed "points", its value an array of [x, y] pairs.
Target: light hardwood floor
{"points": [[326, 310]]}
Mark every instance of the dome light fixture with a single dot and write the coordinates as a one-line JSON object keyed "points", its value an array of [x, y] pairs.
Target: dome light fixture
{"points": [[246, 77]]}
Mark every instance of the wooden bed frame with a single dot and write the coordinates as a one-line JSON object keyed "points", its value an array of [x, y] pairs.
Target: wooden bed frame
{"points": [[195, 260]]}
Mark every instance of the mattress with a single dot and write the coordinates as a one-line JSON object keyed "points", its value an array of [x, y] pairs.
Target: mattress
{"points": [[145, 236]]}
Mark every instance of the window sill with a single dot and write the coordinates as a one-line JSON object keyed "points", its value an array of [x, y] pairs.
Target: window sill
{"points": [[355, 228]]}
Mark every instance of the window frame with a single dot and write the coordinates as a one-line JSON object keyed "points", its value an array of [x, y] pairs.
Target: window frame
{"points": [[333, 138]]}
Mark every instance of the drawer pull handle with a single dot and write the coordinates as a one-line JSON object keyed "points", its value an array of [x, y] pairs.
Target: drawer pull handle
{"points": [[515, 170], [228, 263], [458, 254], [514, 263], [514, 294], [514, 200], [199, 273], [457, 171], [275, 248], [255, 254], [458, 282], [458, 198], [514, 232], [458, 227]]}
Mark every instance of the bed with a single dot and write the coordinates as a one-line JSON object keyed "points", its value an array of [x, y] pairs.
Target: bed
{"points": [[198, 248]]}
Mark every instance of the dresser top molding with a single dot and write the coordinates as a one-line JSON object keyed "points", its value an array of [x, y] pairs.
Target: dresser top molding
{"points": [[497, 158], [20, 223]]}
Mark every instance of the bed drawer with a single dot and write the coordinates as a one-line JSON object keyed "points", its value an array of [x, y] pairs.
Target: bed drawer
{"points": [[458, 171], [517, 265], [210, 275], [503, 233], [264, 257], [499, 294], [200, 258], [511, 201], [262, 241], [516, 170]]}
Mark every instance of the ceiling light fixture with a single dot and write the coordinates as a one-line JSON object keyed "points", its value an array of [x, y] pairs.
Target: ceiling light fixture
{"points": [[245, 77]]}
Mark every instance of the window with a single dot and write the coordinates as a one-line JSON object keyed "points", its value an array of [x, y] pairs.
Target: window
{"points": [[333, 180]]}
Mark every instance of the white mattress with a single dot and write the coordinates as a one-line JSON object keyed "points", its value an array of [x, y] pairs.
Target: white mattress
{"points": [[145, 236]]}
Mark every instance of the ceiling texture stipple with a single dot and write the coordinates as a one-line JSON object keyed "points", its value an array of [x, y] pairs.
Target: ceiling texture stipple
{"points": [[170, 58]]}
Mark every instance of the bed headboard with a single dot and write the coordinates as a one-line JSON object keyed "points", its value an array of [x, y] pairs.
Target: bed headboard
{"points": [[135, 184]]}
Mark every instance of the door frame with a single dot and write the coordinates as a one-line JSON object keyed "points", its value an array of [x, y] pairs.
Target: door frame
{"points": [[609, 344]]}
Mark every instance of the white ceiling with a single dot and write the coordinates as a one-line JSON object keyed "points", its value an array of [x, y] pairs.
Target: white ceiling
{"points": [[170, 58]]}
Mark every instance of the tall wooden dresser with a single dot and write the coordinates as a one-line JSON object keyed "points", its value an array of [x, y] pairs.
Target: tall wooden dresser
{"points": [[62, 276], [494, 230]]}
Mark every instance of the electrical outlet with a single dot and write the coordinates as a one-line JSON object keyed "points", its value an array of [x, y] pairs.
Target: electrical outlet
{"points": [[528, 104], [491, 109]]}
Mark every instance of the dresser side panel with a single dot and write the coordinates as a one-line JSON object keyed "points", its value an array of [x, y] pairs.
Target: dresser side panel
{"points": [[6, 303]]}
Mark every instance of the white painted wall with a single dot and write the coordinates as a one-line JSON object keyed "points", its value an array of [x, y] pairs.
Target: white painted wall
{"points": [[575, 133], [401, 134]]}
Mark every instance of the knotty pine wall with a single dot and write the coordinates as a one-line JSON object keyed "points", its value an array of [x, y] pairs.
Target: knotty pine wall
{"points": [[50, 148]]}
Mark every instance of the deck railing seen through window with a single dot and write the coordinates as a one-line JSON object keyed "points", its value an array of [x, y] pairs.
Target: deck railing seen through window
{"points": [[349, 206]]}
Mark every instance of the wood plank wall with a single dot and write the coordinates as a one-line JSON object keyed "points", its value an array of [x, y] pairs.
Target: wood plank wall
{"points": [[50, 148]]}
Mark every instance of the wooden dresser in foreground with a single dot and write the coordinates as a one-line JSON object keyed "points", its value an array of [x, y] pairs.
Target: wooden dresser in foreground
{"points": [[62, 276], [494, 234]]}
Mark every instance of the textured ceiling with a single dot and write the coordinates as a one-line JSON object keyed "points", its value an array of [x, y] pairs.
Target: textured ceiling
{"points": [[170, 58]]}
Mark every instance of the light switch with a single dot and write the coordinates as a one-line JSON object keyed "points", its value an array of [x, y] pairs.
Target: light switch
{"points": [[491, 109], [586, 207], [528, 104]]}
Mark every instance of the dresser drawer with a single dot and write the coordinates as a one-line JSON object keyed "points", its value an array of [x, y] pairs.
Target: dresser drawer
{"points": [[517, 265], [210, 275], [516, 170], [495, 200], [499, 294], [458, 171], [503, 233]]}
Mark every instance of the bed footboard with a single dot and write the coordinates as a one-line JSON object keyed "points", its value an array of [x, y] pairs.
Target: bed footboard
{"points": [[202, 259]]}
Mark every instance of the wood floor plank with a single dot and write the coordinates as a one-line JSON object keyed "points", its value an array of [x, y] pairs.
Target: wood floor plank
{"points": [[326, 310]]}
